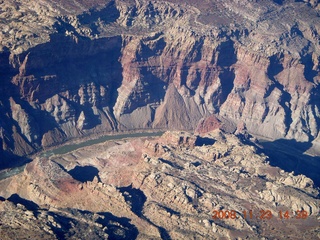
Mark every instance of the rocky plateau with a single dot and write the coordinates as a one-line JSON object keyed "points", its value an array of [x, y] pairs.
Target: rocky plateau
{"points": [[158, 188], [233, 84]]}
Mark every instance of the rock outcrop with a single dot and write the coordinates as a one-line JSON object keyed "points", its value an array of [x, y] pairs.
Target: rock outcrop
{"points": [[160, 188], [126, 65]]}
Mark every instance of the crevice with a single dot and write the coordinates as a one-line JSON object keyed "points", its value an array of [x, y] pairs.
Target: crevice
{"points": [[275, 67]]}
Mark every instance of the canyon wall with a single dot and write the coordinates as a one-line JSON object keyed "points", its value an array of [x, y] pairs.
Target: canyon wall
{"points": [[128, 65]]}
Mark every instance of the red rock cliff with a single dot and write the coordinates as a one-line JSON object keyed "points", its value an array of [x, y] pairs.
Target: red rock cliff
{"points": [[134, 65]]}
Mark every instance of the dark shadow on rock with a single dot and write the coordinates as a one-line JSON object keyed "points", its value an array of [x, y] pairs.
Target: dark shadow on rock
{"points": [[91, 120], [85, 173], [107, 15], [91, 62], [172, 164], [147, 52], [12, 161], [2, 199], [170, 210], [125, 231], [30, 205], [11, 165], [227, 55], [204, 141], [227, 83], [90, 19], [280, 2], [307, 61], [135, 197], [226, 58], [48, 122], [152, 90], [289, 156], [275, 67], [164, 234], [65, 223], [196, 164], [76, 223], [248, 139]]}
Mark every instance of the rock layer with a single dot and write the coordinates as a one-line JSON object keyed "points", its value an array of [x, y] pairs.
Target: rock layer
{"points": [[163, 188], [126, 65]]}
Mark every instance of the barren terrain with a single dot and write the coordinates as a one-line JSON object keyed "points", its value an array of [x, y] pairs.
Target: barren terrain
{"points": [[234, 83], [73, 68], [159, 188]]}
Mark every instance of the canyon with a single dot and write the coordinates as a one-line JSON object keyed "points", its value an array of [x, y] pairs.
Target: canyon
{"points": [[232, 85], [128, 65], [164, 187]]}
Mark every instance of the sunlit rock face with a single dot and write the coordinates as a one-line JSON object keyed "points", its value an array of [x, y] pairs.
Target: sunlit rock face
{"points": [[97, 67], [169, 187]]}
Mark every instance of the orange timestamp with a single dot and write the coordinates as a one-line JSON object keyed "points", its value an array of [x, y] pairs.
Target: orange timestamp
{"points": [[262, 214]]}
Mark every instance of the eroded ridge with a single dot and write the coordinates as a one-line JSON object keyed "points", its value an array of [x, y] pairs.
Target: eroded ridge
{"points": [[166, 187], [90, 68]]}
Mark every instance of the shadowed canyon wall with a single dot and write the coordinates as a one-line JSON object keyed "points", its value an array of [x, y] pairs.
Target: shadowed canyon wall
{"points": [[165, 65]]}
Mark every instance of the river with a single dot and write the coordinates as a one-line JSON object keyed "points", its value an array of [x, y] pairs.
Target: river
{"points": [[72, 147]]}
